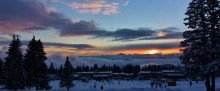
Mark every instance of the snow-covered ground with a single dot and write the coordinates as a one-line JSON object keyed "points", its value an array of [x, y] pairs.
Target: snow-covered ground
{"points": [[135, 85]]}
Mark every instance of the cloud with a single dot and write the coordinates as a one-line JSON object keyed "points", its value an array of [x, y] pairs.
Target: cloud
{"points": [[5, 36], [174, 35], [140, 34], [33, 15], [127, 34], [75, 46], [79, 29], [143, 46], [167, 33], [95, 7], [124, 34]]}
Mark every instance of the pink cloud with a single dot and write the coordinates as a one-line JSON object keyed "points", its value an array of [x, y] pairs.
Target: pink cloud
{"points": [[29, 16], [95, 7]]}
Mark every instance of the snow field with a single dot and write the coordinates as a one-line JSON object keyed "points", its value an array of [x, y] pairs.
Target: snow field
{"points": [[124, 85]]}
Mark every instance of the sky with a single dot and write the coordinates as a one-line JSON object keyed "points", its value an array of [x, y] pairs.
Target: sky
{"points": [[95, 27]]}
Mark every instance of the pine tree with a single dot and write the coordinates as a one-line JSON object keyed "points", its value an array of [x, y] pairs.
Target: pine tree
{"points": [[35, 66], [95, 67], [59, 73], [67, 75], [51, 69], [13, 71], [30, 60], [201, 50], [214, 31], [42, 80]]}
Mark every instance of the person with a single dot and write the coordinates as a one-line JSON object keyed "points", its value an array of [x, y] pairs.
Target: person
{"points": [[152, 84], [196, 80], [160, 85], [94, 86], [190, 83], [101, 87]]}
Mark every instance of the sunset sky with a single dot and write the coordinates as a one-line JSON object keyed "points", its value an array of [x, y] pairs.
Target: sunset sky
{"points": [[95, 27]]}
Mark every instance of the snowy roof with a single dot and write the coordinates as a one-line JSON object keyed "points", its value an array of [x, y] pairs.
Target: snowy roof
{"points": [[86, 72], [116, 73], [141, 72], [175, 74], [101, 75], [105, 72], [156, 72], [75, 75], [129, 74], [169, 71]]}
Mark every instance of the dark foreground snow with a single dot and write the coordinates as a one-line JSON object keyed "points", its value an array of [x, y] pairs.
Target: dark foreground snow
{"points": [[135, 85]]}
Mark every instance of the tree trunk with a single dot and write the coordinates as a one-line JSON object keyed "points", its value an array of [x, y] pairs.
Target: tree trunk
{"points": [[37, 88], [213, 83], [207, 83]]}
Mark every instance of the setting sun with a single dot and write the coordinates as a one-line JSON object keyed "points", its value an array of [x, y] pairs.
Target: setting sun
{"points": [[152, 52]]}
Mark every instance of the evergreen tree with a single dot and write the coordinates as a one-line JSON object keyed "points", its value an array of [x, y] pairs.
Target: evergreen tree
{"points": [[60, 70], [30, 60], [42, 80], [67, 76], [13, 71], [214, 32], [35, 66], [201, 49], [51, 69], [95, 67]]}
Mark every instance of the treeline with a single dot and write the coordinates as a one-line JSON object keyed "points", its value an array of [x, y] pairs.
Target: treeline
{"points": [[129, 68], [115, 69], [159, 67], [29, 70]]}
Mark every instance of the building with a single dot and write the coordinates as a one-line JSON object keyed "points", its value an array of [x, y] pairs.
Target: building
{"points": [[173, 74], [150, 74], [94, 75]]}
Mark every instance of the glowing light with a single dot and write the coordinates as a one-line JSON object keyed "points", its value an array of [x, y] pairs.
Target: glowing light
{"points": [[160, 34], [152, 52]]}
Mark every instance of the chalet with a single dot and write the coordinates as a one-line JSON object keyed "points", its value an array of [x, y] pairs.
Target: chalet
{"points": [[173, 74], [150, 74], [94, 75], [102, 75], [116, 75], [144, 74], [76, 76], [167, 74], [128, 76], [85, 74]]}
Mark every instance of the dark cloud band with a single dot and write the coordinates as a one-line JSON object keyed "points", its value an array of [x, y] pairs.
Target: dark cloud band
{"points": [[143, 46], [75, 46]]}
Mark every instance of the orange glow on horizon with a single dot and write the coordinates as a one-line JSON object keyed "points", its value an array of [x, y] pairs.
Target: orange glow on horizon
{"points": [[152, 52], [65, 51]]}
